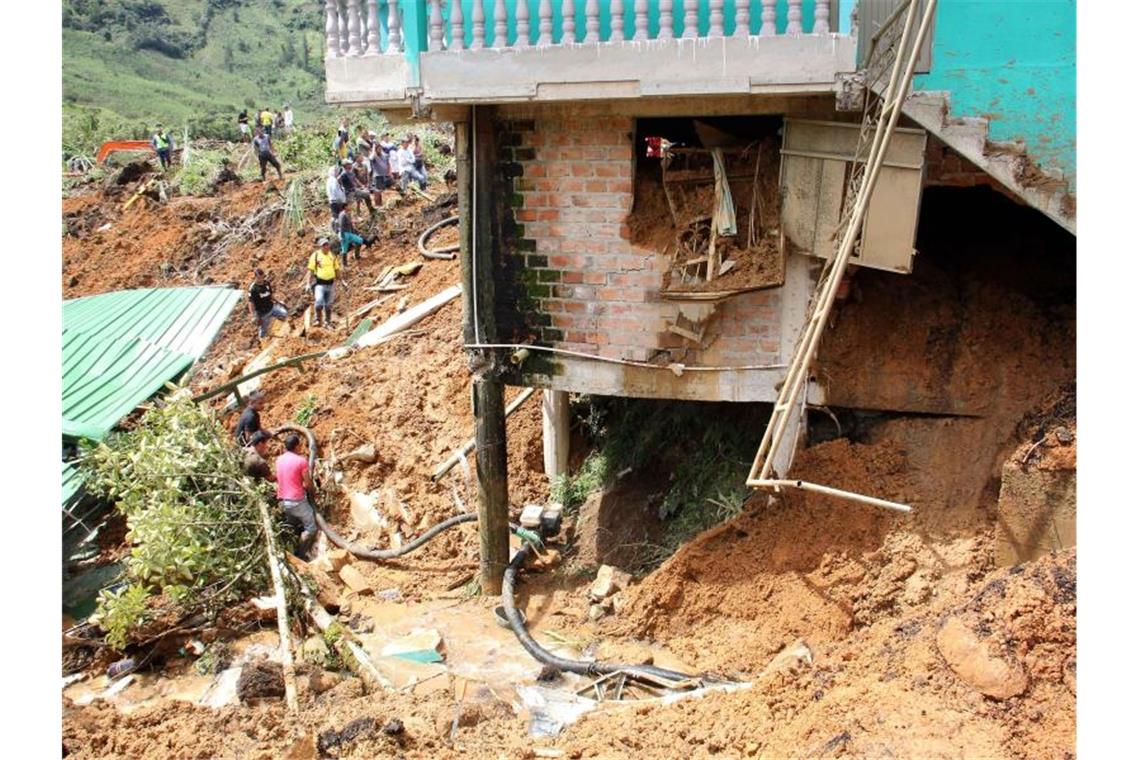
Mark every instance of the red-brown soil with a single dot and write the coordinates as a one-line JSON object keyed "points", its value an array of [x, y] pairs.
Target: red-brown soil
{"points": [[906, 617]]}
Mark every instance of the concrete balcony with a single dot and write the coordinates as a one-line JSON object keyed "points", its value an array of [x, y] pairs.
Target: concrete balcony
{"points": [[416, 53]]}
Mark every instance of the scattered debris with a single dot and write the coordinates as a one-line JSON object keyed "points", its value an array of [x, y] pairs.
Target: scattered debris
{"points": [[261, 679]]}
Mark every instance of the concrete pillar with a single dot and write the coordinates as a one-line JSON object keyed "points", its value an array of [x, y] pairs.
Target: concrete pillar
{"points": [[555, 432], [491, 472]]}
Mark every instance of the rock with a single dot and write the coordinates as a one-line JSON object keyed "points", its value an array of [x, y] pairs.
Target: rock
{"points": [[968, 657], [608, 581], [304, 748], [72, 281], [315, 650], [355, 580], [338, 558], [1064, 435], [547, 559], [261, 679], [596, 612], [603, 584], [321, 681], [365, 454]]}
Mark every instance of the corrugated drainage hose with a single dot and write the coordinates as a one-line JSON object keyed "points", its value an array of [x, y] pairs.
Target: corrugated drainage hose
{"points": [[544, 656], [446, 252], [383, 554]]}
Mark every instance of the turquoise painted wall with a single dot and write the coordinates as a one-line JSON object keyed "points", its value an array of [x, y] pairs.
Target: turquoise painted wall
{"points": [[1015, 62]]}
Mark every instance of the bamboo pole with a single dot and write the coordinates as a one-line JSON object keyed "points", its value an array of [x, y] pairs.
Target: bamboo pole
{"points": [[282, 614], [810, 338], [445, 466], [804, 485]]}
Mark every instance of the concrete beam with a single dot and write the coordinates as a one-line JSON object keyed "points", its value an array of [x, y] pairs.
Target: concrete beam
{"points": [[555, 432], [606, 71]]}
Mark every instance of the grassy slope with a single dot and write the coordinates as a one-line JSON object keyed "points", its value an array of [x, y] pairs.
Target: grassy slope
{"points": [[134, 88]]}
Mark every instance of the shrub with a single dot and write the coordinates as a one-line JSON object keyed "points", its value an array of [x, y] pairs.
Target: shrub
{"points": [[193, 515]]}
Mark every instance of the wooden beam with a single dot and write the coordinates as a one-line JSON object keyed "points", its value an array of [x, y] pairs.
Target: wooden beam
{"points": [[491, 471]]}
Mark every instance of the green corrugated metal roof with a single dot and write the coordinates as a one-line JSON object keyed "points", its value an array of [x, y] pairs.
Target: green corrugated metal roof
{"points": [[120, 348]]}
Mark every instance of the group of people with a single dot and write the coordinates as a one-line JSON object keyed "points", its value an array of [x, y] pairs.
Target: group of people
{"points": [[268, 120], [290, 473], [375, 163], [324, 269]]}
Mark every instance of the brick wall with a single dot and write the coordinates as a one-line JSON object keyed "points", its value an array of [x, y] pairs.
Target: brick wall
{"points": [[586, 287], [945, 167]]}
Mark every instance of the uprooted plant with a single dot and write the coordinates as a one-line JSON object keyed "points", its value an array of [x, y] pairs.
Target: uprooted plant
{"points": [[192, 513]]}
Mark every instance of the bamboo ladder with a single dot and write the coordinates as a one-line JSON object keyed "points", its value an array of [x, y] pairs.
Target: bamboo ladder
{"points": [[893, 50]]}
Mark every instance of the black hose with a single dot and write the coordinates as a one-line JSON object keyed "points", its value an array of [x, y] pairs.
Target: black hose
{"points": [[536, 651], [446, 252], [360, 551]]}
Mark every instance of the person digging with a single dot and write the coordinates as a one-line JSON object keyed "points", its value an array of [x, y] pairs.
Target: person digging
{"points": [[350, 239], [249, 423], [253, 457], [324, 266], [262, 307], [294, 484]]}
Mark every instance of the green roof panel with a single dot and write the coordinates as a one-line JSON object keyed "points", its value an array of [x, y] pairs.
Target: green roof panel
{"points": [[120, 348]]}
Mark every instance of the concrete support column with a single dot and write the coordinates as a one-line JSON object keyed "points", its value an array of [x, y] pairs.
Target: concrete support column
{"points": [[555, 432], [491, 471]]}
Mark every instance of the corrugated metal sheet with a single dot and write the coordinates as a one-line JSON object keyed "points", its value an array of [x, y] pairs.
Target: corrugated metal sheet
{"points": [[120, 348]]}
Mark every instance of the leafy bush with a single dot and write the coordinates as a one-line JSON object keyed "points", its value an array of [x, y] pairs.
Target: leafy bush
{"points": [[192, 514]]}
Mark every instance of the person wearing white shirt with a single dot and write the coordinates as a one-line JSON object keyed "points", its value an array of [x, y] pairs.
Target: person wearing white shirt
{"points": [[406, 161]]}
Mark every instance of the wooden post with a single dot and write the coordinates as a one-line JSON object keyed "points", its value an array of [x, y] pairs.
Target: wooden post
{"points": [[491, 471], [555, 432]]}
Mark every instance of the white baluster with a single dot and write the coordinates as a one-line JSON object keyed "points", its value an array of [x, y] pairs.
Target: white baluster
{"points": [[689, 23], [641, 19], [500, 18], [665, 21], [395, 34], [767, 17], [567, 22], [478, 26], [741, 17], [435, 26], [354, 28], [343, 16], [372, 27], [795, 17], [822, 23], [522, 24], [332, 30], [456, 20], [617, 20], [592, 22], [716, 18], [545, 23]]}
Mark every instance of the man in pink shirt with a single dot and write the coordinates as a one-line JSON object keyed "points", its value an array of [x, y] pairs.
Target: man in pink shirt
{"points": [[293, 484]]}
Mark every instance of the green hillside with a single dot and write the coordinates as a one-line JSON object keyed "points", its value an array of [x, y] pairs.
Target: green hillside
{"points": [[193, 63]]}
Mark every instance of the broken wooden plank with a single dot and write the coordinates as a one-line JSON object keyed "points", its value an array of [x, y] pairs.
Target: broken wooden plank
{"points": [[368, 307]]}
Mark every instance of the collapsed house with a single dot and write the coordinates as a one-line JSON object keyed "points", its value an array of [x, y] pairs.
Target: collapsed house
{"points": [[652, 198]]}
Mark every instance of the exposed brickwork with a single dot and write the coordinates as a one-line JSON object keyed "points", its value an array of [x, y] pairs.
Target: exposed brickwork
{"points": [[945, 167], [587, 287]]}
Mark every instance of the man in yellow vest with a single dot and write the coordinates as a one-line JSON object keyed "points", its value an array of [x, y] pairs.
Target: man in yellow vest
{"points": [[324, 266], [163, 144]]}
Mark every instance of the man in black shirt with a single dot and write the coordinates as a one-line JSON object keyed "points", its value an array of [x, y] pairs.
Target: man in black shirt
{"points": [[262, 308], [249, 422]]}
